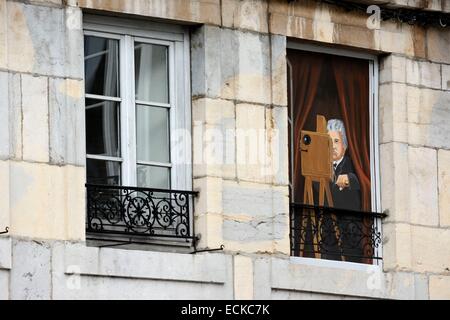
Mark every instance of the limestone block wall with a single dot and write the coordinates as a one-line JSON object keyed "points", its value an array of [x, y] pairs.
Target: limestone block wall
{"points": [[240, 168], [65, 270], [42, 153], [239, 107], [31, 269], [415, 108]]}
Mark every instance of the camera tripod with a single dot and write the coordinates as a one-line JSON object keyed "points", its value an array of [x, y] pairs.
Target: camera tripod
{"points": [[316, 167], [308, 198]]}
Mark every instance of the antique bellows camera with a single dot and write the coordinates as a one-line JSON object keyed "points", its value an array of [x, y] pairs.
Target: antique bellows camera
{"points": [[317, 152]]}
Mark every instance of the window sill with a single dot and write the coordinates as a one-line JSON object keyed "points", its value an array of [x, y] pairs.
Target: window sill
{"points": [[138, 243], [334, 264]]}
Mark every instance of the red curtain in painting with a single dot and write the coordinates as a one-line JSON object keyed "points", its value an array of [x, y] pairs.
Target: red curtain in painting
{"points": [[352, 82], [305, 75]]}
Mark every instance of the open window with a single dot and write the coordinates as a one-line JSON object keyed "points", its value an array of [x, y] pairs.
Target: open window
{"points": [[137, 130], [333, 155]]}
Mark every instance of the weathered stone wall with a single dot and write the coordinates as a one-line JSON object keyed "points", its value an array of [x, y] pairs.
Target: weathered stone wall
{"points": [[414, 158], [238, 88], [70, 270], [429, 5], [243, 199], [42, 121]]}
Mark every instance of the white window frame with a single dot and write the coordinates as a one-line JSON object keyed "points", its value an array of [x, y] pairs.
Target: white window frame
{"points": [[176, 38], [374, 143]]}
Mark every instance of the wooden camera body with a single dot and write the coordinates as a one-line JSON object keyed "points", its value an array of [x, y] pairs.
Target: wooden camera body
{"points": [[317, 166], [317, 152]]}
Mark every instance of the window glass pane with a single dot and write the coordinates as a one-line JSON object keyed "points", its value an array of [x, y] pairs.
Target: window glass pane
{"points": [[152, 134], [101, 63], [102, 128], [153, 177], [151, 72], [103, 172]]}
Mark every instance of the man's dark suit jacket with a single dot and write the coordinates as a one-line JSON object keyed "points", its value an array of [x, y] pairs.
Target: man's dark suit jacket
{"points": [[348, 198]]}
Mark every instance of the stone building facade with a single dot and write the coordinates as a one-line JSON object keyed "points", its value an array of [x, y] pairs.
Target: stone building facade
{"points": [[237, 71]]}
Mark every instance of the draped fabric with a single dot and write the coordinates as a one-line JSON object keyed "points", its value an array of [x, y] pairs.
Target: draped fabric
{"points": [[102, 129], [305, 76], [352, 82], [336, 87], [111, 134]]}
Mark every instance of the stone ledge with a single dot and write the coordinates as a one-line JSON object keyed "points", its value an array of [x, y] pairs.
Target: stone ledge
{"points": [[345, 279], [109, 262]]}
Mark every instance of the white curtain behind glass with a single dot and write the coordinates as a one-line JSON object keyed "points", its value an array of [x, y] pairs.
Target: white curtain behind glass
{"points": [[110, 87], [151, 73], [151, 86]]}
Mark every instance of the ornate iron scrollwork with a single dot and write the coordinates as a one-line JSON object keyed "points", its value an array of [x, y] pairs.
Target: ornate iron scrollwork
{"points": [[133, 211], [335, 234]]}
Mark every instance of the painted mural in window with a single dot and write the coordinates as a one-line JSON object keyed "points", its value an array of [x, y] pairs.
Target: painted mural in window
{"points": [[330, 154]]}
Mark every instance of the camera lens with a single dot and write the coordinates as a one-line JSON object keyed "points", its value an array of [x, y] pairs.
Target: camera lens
{"points": [[306, 139]]}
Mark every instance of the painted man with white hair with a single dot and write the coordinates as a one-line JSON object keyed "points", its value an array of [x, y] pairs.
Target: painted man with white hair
{"points": [[345, 188], [346, 193]]}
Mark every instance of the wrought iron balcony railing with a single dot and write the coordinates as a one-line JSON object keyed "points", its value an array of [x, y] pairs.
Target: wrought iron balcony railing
{"points": [[146, 213], [335, 234]]}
